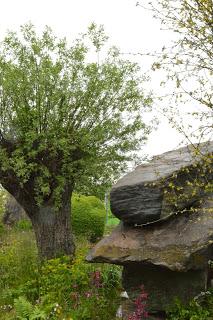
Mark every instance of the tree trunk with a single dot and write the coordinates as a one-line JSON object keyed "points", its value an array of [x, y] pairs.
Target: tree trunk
{"points": [[52, 229], [52, 226]]}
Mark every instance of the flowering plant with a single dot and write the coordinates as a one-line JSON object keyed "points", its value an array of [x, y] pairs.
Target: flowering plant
{"points": [[140, 306]]}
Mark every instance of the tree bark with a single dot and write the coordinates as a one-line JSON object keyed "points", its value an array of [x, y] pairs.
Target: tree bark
{"points": [[52, 226], [52, 229]]}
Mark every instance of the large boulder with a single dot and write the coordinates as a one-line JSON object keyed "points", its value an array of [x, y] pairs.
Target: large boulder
{"points": [[185, 242], [165, 241], [170, 259], [164, 186]]}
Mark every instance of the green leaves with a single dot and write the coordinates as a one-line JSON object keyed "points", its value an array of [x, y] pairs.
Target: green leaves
{"points": [[26, 311], [97, 35], [190, 56], [65, 114]]}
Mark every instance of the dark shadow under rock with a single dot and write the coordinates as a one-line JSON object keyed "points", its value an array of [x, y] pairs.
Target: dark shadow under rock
{"points": [[162, 285]]}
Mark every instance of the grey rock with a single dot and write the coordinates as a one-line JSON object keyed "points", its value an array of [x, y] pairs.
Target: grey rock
{"points": [[170, 259], [13, 211], [185, 242], [162, 286], [165, 241], [141, 196]]}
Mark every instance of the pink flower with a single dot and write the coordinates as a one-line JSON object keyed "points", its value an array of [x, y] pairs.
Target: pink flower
{"points": [[140, 303], [145, 314], [88, 294], [96, 279], [144, 295]]}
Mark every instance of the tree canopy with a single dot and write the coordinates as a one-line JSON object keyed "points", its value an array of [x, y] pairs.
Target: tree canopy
{"points": [[66, 123], [63, 117]]}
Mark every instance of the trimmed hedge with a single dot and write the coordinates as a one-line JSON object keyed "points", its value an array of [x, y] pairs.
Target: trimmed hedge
{"points": [[88, 216]]}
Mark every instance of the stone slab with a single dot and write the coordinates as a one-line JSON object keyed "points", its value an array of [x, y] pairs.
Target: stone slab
{"points": [[139, 197], [185, 242]]}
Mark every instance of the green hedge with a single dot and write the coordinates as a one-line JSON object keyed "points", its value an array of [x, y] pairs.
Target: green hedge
{"points": [[88, 216]]}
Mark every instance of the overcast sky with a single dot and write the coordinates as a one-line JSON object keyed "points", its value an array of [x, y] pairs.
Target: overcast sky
{"points": [[129, 27]]}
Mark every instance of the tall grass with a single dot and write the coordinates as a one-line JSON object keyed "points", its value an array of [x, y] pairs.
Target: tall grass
{"points": [[59, 288]]}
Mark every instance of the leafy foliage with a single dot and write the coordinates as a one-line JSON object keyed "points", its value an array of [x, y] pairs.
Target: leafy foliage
{"points": [[23, 308], [26, 311], [66, 123], [88, 216], [64, 289], [57, 289], [64, 119], [193, 311]]}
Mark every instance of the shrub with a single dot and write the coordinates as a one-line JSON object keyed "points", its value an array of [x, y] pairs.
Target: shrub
{"points": [[59, 288], [26, 311], [56, 289], [88, 216], [195, 310]]}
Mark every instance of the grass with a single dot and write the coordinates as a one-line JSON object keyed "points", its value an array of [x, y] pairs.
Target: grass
{"points": [[59, 289]]}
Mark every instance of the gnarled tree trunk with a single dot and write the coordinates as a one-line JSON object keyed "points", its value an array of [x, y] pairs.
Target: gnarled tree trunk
{"points": [[52, 228], [52, 225]]}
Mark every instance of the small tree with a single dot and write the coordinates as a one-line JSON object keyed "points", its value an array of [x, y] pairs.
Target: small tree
{"points": [[64, 122]]}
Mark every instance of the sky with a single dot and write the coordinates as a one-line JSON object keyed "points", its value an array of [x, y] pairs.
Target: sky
{"points": [[129, 27]]}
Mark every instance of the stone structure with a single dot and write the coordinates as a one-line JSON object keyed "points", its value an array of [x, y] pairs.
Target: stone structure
{"points": [[168, 253]]}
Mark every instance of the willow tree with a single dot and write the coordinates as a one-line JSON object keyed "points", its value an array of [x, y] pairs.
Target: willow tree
{"points": [[64, 121]]}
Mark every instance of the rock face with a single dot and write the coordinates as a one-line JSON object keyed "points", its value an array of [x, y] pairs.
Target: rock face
{"points": [[141, 196], [168, 256], [185, 242], [170, 259], [163, 286], [13, 211]]}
